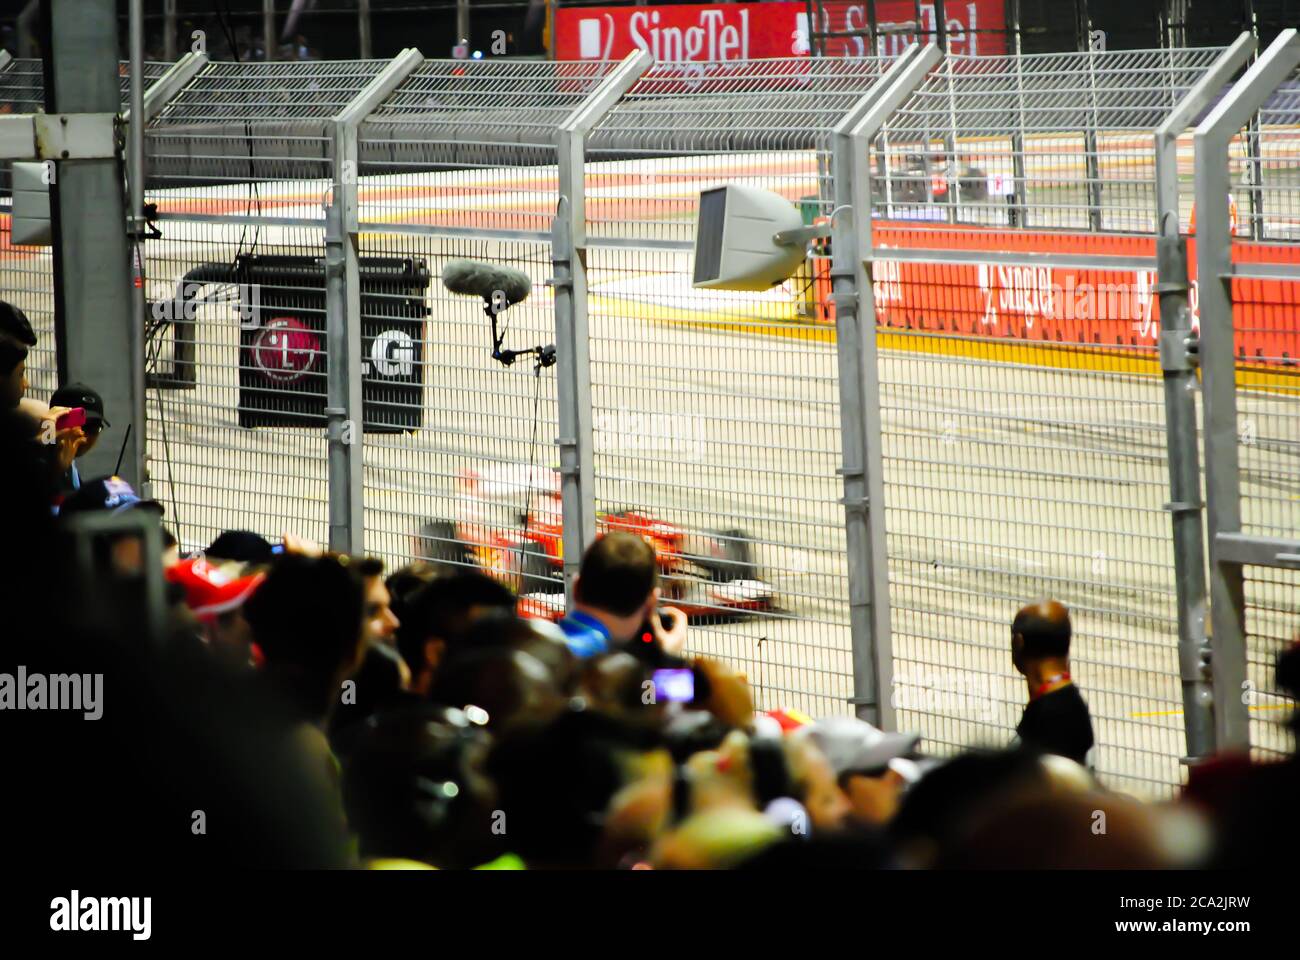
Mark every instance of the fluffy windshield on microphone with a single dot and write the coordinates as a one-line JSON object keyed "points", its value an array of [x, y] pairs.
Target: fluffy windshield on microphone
{"points": [[485, 279]]}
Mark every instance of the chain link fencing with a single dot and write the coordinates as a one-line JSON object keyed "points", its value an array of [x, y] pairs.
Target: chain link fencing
{"points": [[718, 411], [309, 372], [241, 164], [460, 162], [1253, 406], [1023, 415]]}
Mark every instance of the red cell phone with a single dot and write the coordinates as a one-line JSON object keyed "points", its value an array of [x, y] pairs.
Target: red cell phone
{"points": [[76, 417]]}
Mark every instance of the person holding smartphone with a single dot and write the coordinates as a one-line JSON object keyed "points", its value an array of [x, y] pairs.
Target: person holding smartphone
{"points": [[69, 399], [616, 601]]}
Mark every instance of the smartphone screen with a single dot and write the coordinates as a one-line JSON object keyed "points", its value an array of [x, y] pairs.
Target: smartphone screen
{"points": [[76, 417], [677, 686]]}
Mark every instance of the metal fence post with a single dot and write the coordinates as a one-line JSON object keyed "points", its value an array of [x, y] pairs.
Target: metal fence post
{"points": [[866, 612], [94, 309], [859, 381], [343, 406], [1020, 185], [1218, 367], [573, 363], [1177, 359], [1091, 161]]}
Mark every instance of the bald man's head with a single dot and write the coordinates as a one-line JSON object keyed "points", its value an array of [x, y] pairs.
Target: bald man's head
{"points": [[1044, 629]]}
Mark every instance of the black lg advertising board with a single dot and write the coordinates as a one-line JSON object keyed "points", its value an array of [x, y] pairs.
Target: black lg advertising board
{"points": [[283, 366]]}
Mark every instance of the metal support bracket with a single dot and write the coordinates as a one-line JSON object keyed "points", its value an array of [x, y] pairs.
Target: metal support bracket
{"points": [[1179, 352], [58, 136]]}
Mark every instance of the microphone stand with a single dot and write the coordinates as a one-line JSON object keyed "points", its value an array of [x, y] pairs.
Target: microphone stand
{"points": [[545, 355]]}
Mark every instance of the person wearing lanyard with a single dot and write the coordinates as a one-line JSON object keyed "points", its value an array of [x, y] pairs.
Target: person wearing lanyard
{"points": [[1056, 718]]}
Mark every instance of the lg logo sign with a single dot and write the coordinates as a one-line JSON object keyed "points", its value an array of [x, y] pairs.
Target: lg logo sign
{"points": [[285, 349], [392, 354]]}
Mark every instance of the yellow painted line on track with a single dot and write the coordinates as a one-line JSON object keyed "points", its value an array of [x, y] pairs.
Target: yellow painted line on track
{"points": [[1179, 713], [996, 350]]}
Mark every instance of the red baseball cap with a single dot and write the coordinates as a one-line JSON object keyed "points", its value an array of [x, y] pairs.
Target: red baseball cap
{"points": [[209, 589]]}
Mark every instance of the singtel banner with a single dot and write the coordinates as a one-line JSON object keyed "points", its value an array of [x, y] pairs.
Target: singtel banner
{"points": [[751, 31]]}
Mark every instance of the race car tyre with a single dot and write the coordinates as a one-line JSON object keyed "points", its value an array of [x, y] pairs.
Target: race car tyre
{"points": [[537, 574], [437, 543], [974, 185], [734, 557]]}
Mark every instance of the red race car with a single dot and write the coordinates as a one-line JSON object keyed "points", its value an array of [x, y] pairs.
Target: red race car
{"points": [[708, 576]]}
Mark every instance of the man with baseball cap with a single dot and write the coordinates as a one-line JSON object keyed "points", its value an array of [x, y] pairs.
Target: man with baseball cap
{"points": [[215, 594], [79, 395], [107, 494], [873, 767]]}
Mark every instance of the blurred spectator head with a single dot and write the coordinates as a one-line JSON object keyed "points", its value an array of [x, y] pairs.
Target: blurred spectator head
{"points": [[215, 593], [783, 776], [615, 684], [307, 617], [1040, 631], [13, 372], [414, 787], [556, 779], [872, 767], [937, 812], [618, 583], [1040, 829], [545, 641], [15, 325], [241, 545], [107, 495], [171, 548], [380, 624], [496, 685], [379, 685], [440, 613], [402, 584], [79, 395]]}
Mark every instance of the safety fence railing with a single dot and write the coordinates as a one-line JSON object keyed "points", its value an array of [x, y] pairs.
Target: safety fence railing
{"points": [[1023, 419], [1248, 348], [461, 163], [1049, 141], [241, 344], [976, 389], [26, 271], [718, 412]]}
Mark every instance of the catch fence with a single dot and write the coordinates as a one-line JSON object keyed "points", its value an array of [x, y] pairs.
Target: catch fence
{"points": [[964, 399]]}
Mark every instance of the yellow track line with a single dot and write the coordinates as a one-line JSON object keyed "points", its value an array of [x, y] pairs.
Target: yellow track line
{"points": [[1179, 713], [1060, 356]]}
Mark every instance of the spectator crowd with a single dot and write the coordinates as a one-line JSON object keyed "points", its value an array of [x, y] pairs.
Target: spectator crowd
{"points": [[271, 703]]}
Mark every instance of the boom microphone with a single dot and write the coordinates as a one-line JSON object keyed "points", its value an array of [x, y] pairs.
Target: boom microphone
{"points": [[486, 280]]}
